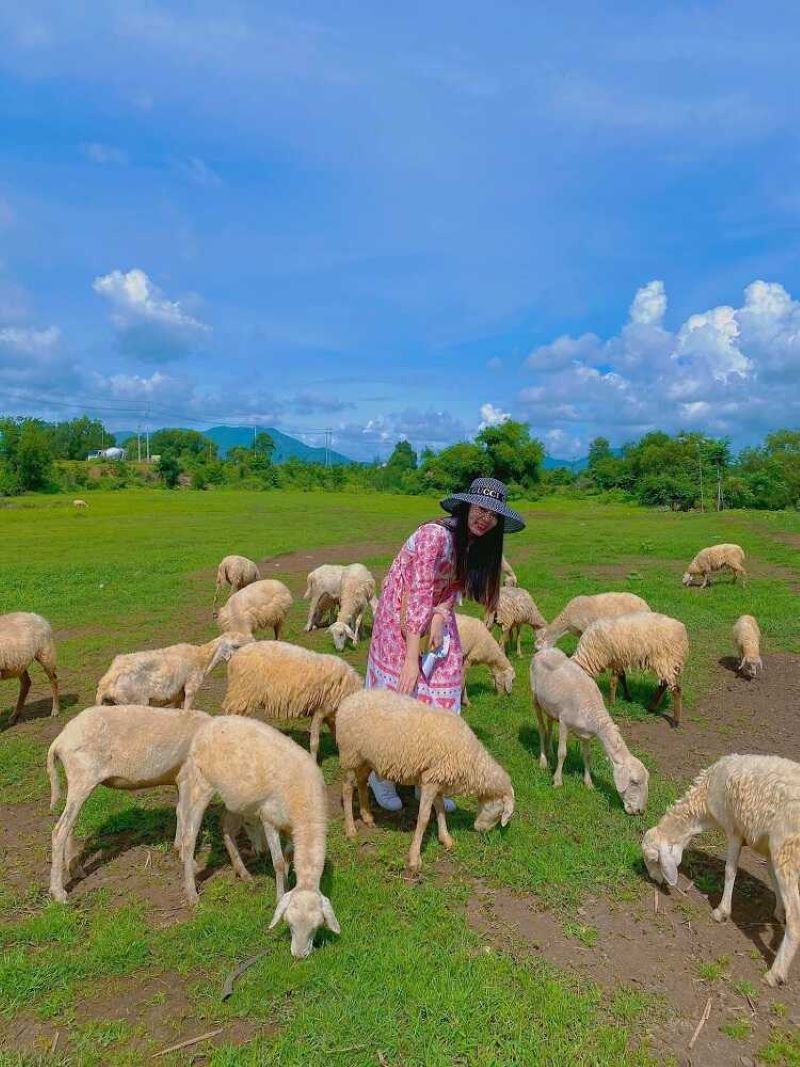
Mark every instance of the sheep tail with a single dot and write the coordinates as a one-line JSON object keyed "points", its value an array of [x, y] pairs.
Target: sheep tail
{"points": [[52, 773]]}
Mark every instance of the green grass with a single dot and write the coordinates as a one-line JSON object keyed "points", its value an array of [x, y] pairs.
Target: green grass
{"points": [[407, 977]]}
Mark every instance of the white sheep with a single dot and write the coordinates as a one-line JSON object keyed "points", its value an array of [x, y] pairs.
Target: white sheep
{"points": [[323, 588], [406, 741], [237, 572], [643, 640], [25, 637], [515, 609], [582, 611], [747, 636], [507, 572], [563, 693], [262, 774], [715, 558], [79, 504], [289, 682], [357, 591], [165, 677], [478, 646], [755, 800], [258, 606]]}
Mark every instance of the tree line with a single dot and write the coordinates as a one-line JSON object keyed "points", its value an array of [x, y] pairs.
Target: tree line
{"points": [[680, 472]]}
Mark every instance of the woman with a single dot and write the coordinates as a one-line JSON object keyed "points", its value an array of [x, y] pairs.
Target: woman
{"points": [[440, 562]]}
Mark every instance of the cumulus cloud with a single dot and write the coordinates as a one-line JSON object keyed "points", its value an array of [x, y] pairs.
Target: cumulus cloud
{"points": [[649, 305], [149, 326], [492, 416], [28, 341]]}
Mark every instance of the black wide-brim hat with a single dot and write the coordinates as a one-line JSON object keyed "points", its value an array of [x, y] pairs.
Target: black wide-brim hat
{"points": [[491, 494]]}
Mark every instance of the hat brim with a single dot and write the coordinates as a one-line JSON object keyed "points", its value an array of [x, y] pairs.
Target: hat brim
{"points": [[512, 520]]}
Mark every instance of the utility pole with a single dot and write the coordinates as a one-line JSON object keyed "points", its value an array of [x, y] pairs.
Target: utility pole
{"points": [[328, 440], [147, 432], [139, 441], [700, 468]]}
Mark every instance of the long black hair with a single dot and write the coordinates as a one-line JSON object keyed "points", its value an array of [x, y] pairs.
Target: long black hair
{"points": [[478, 559]]}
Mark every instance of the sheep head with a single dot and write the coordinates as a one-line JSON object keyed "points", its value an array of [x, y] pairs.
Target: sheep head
{"points": [[750, 666], [341, 634], [227, 644], [661, 858], [494, 810], [305, 910], [504, 680], [687, 579], [632, 780]]}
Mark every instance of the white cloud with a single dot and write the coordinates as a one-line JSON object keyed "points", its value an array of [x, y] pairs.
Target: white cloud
{"points": [[649, 305], [198, 171], [29, 341], [492, 416], [562, 352], [105, 154]]}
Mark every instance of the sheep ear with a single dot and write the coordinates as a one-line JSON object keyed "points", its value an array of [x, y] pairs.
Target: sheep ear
{"points": [[224, 652], [669, 864], [283, 904], [508, 811], [330, 919], [350, 634], [622, 778]]}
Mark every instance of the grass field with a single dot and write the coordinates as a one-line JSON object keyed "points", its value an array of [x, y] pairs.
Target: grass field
{"points": [[125, 969]]}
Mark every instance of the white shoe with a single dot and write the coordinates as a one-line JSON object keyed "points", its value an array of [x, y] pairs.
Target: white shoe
{"points": [[385, 793], [449, 803]]}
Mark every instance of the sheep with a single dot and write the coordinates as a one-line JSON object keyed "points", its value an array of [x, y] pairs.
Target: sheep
{"points": [[406, 741], [582, 611], [507, 571], [79, 504], [644, 640], [165, 676], [236, 571], [747, 636], [289, 682], [478, 646], [25, 637], [715, 558], [258, 606], [563, 693], [356, 592], [756, 801], [261, 773], [324, 588], [515, 609]]}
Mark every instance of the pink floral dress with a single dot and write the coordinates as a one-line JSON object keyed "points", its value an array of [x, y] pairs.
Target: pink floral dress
{"points": [[423, 570]]}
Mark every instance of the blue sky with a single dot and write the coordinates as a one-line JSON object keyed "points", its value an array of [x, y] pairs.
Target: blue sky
{"points": [[402, 220]]}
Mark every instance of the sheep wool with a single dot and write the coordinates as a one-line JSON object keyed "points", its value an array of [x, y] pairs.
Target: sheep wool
{"points": [[25, 637], [259, 606], [515, 609], [716, 558], [323, 589], [580, 612], [237, 572], [356, 593], [478, 646], [747, 636]]}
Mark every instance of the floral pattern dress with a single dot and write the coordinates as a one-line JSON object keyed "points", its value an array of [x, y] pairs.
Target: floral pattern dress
{"points": [[421, 578]]}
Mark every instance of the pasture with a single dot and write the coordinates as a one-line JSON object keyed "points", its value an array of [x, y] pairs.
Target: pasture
{"points": [[537, 944]]}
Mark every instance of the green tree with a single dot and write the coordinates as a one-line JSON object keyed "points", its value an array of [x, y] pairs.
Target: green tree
{"points": [[75, 438], [454, 467], [169, 469], [515, 455], [25, 453], [183, 443]]}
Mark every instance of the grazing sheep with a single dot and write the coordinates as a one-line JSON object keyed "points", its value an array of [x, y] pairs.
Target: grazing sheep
{"points": [[478, 646], [563, 693], [756, 801], [25, 637], [262, 774], [323, 587], [258, 606], [747, 636], [642, 640], [405, 741], [79, 504], [122, 747], [715, 558], [582, 611], [356, 592], [237, 572], [165, 676], [507, 571], [515, 609], [289, 682]]}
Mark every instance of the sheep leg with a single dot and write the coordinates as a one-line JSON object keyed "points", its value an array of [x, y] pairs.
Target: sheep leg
{"points": [[348, 782], [780, 911], [194, 796], [519, 641], [275, 851], [786, 877], [464, 697], [189, 693], [612, 688], [24, 687], [63, 851], [52, 677], [365, 811], [587, 764], [563, 733], [654, 703], [316, 723], [427, 796], [231, 825], [723, 909], [624, 679], [544, 746], [677, 705], [277, 630], [505, 636], [312, 612], [441, 823]]}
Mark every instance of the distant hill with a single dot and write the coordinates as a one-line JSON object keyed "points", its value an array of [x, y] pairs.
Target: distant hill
{"points": [[575, 465], [226, 437]]}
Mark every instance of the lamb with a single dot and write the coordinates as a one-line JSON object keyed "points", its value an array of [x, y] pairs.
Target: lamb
{"points": [[563, 693], [261, 773], [644, 640], [515, 609], [356, 592], [122, 747], [289, 682], [412, 743], [756, 801], [237, 572], [478, 646], [258, 606], [79, 504], [507, 571], [747, 636], [166, 677], [715, 558], [582, 611], [25, 637], [324, 588]]}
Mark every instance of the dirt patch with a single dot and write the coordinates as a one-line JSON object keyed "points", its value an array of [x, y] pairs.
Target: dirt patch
{"points": [[735, 715]]}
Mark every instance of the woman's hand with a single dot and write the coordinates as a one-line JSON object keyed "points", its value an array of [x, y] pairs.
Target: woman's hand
{"points": [[437, 632], [409, 676]]}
